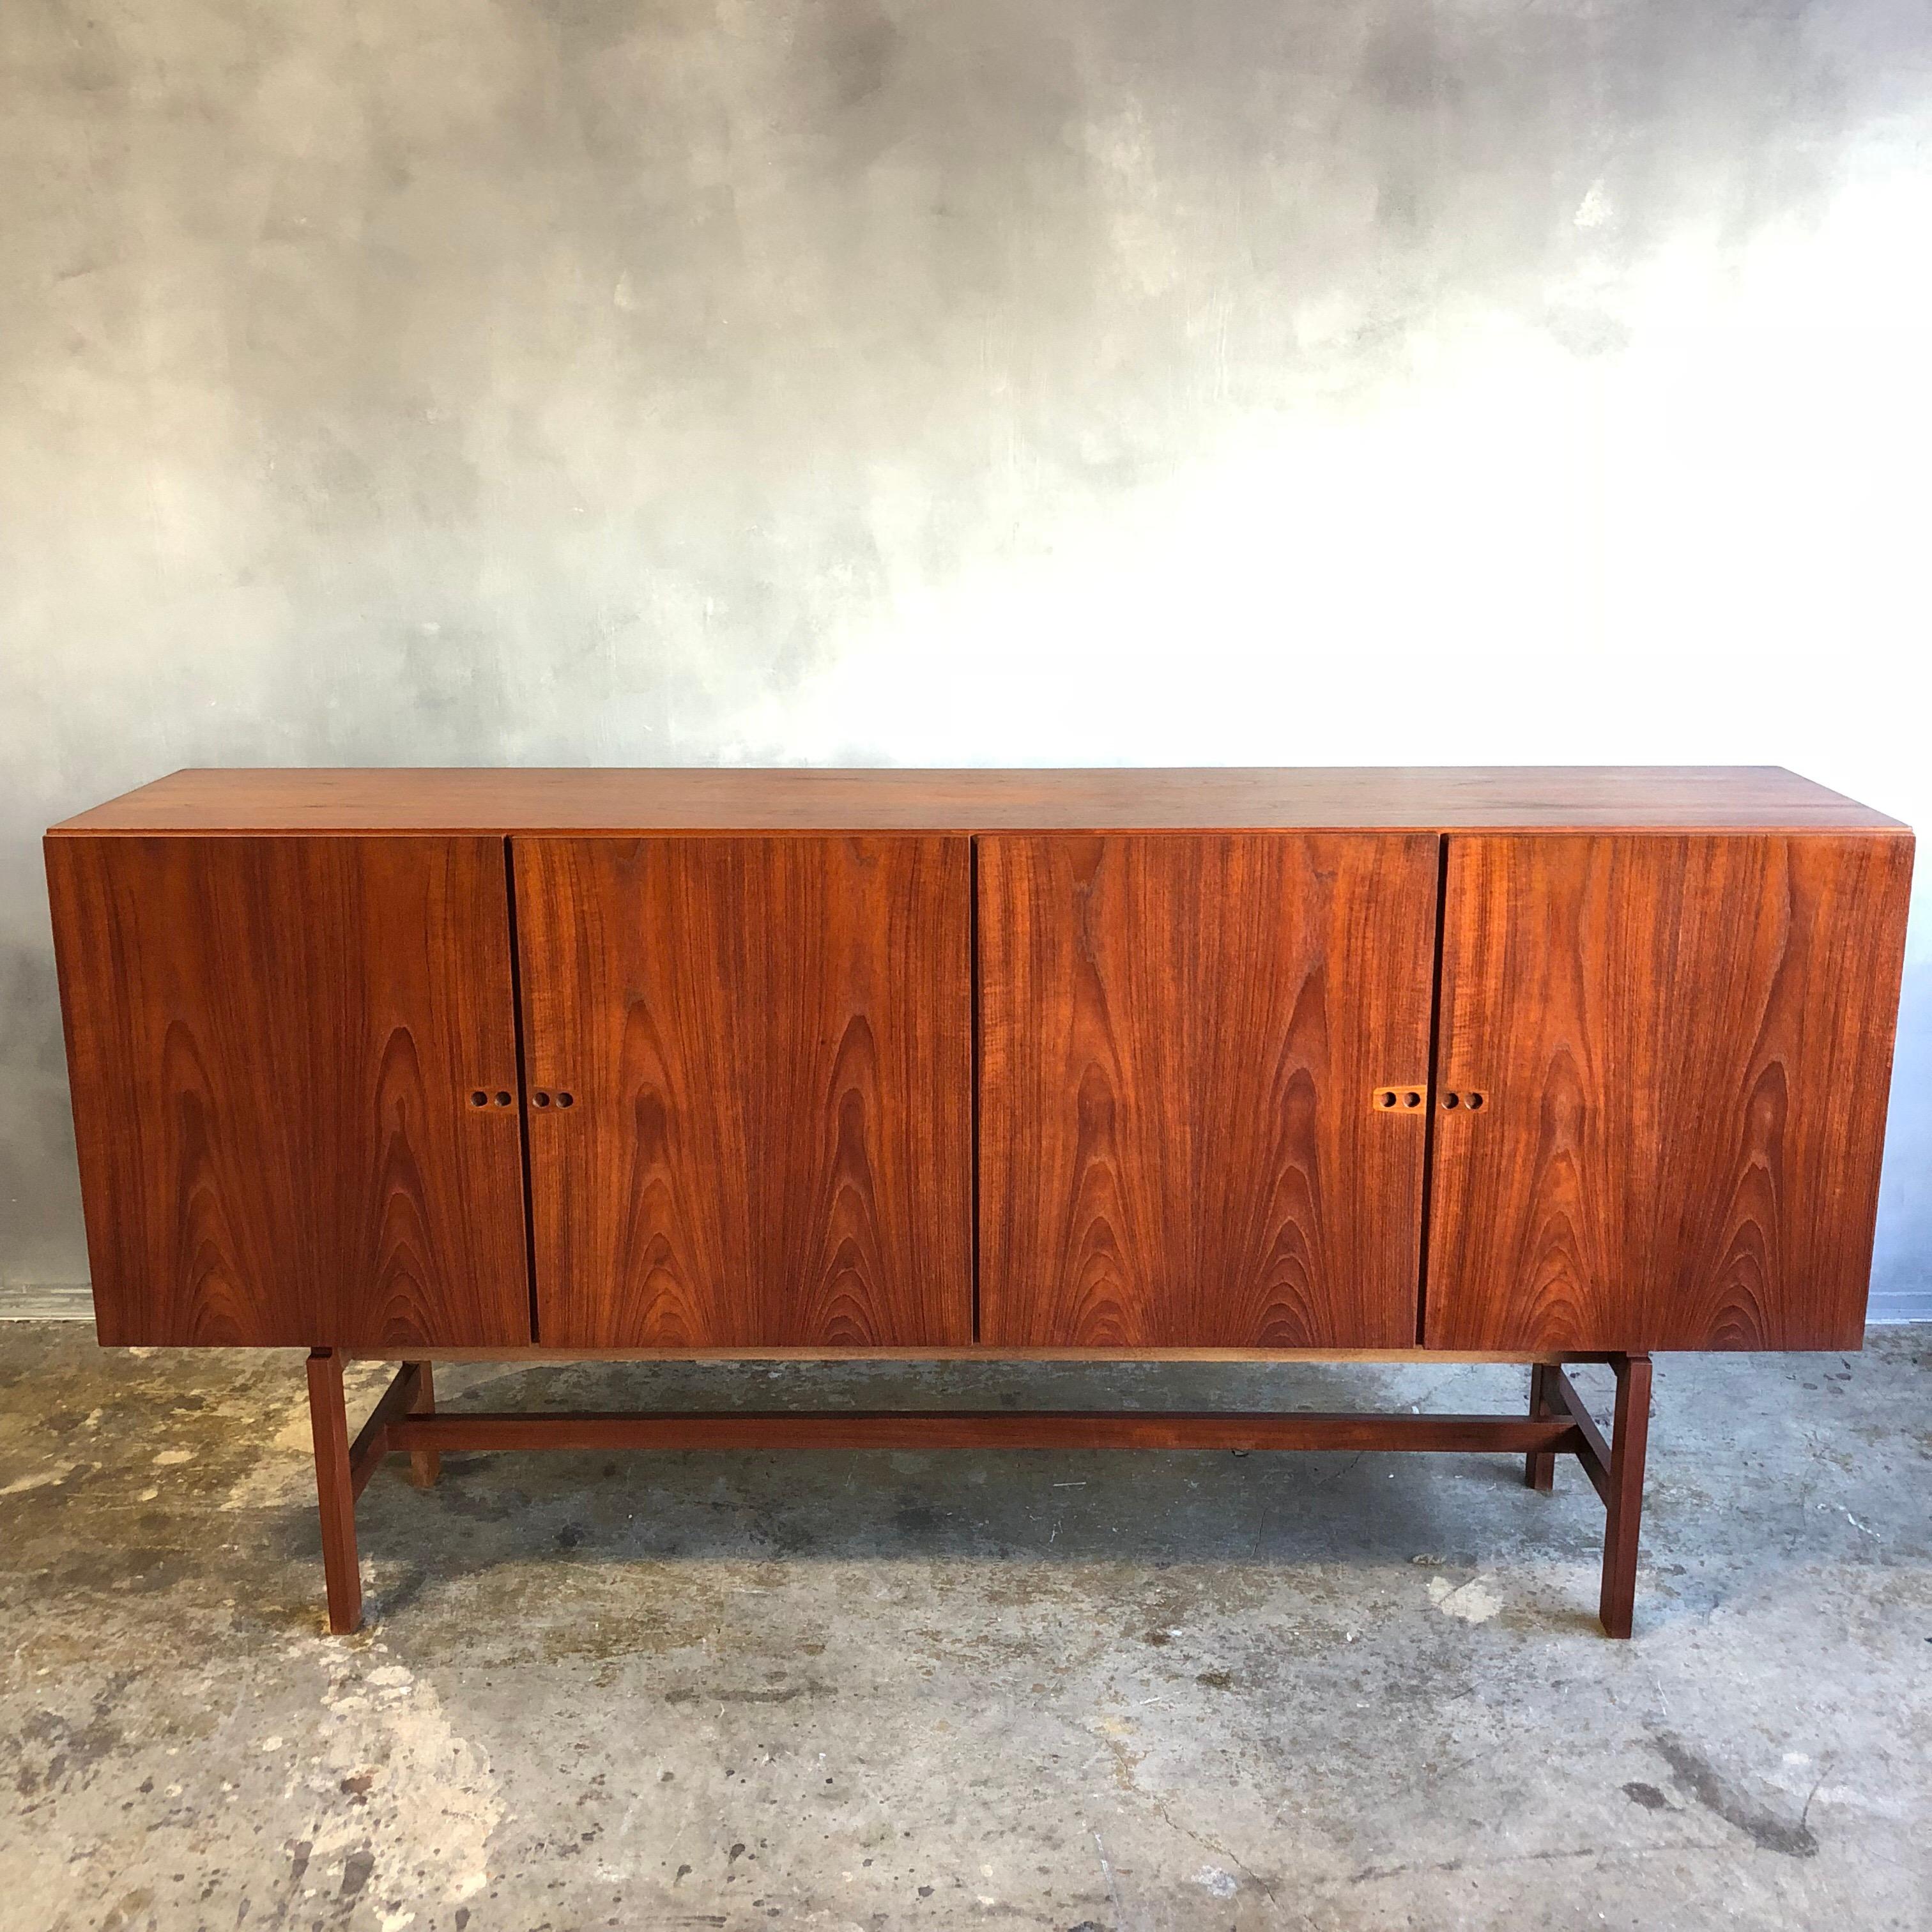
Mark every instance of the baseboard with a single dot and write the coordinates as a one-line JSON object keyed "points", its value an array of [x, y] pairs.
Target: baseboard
{"points": [[54, 1301], [1894, 1311]]}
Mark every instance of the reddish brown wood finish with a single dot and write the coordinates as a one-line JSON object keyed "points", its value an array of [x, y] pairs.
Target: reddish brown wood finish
{"points": [[425, 1465], [1686, 1044], [398, 1424], [335, 1490], [1216, 798], [273, 1043], [1630, 1432], [1593, 1452], [1615, 1468], [767, 1043], [401, 1399], [986, 1429], [1539, 1469], [1179, 1039], [747, 1088]]}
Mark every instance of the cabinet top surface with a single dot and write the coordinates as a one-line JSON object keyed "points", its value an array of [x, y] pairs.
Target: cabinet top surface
{"points": [[497, 799]]}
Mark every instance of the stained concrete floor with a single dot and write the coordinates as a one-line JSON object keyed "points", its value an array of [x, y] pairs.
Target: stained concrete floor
{"points": [[1111, 1693]]}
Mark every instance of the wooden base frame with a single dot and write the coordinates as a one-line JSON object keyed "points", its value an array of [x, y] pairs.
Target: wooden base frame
{"points": [[405, 1420]]}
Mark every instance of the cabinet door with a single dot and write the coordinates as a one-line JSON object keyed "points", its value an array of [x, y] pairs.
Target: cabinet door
{"points": [[767, 1042], [275, 1044], [1683, 1046], [1180, 1039]]}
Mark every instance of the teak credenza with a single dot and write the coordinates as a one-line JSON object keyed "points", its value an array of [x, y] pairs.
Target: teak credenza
{"points": [[1543, 1066]]}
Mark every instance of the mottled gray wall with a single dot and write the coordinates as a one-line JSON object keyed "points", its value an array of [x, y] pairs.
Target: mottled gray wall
{"points": [[973, 381]]}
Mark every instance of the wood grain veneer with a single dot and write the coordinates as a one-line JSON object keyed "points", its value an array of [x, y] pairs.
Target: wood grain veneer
{"points": [[768, 1044], [1686, 1044], [1179, 1039], [1675, 990], [496, 1065], [1215, 798], [272, 1043]]}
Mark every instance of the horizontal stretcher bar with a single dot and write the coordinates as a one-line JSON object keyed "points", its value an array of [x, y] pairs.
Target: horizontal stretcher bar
{"points": [[978, 1429]]}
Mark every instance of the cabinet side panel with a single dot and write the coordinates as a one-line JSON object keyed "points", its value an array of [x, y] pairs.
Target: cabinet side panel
{"points": [[1180, 1037], [273, 1043], [767, 1044], [1685, 1044]]}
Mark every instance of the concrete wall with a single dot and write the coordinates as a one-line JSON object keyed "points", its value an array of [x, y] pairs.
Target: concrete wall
{"points": [[955, 381]]}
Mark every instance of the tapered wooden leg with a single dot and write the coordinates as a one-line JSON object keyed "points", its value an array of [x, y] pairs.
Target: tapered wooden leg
{"points": [[1630, 1432], [335, 1490], [1539, 1466], [425, 1465]]}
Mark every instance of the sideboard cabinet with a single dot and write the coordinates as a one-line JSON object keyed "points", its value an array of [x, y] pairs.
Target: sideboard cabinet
{"points": [[1536, 1065]]}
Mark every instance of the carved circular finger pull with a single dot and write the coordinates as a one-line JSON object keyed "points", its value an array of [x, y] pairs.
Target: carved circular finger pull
{"points": [[503, 1099], [1469, 1097], [539, 1099], [1397, 1099], [566, 1099], [479, 1098]]}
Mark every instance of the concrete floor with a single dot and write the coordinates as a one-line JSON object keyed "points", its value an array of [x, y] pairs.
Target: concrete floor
{"points": [[1082, 1691]]}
